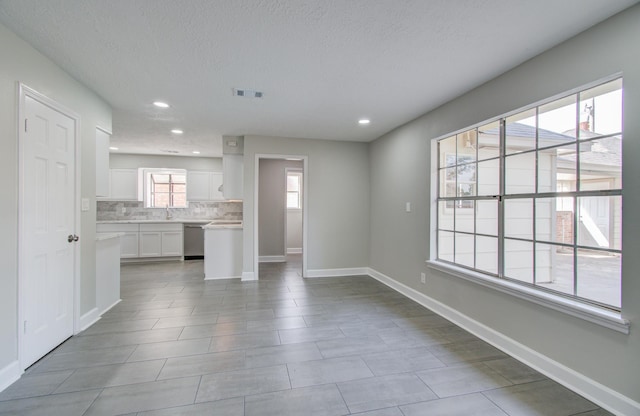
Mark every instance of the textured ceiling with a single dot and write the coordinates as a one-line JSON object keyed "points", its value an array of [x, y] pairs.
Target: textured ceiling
{"points": [[321, 64]]}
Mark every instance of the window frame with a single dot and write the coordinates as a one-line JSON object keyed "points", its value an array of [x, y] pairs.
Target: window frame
{"points": [[298, 173], [149, 190], [552, 298]]}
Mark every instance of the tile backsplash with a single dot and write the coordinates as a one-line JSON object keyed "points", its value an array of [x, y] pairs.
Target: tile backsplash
{"points": [[133, 210]]}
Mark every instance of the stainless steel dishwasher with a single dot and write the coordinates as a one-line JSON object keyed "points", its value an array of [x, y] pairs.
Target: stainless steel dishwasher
{"points": [[194, 240]]}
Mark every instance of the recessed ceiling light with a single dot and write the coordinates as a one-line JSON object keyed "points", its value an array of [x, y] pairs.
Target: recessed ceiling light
{"points": [[177, 131], [364, 121], [196, 152], [161, 104], [113, 148]]}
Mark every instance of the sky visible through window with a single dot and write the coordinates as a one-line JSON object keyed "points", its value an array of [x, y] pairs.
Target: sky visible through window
{"points": [[563, 119]]}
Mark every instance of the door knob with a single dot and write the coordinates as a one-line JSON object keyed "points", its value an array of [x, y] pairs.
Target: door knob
{"points": [[72, 237]]}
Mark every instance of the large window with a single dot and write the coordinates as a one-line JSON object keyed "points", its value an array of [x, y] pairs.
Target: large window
{"points": [[536, 197], [165, 188]]}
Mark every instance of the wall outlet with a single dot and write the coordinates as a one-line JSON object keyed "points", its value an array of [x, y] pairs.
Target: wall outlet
{"points": [[423, 278], [407, 207], [124, 210]]}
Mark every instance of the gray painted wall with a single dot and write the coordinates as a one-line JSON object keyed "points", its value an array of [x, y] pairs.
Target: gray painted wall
{"points": [[131, 161], [294, 230], [338, 199], [272, 213], [20, 62], [401, 169]]}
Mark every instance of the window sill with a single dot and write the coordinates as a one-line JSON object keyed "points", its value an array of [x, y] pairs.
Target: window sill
{"points": [[609, 319]]}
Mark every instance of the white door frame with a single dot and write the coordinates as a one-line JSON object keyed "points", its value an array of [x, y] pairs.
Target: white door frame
{"points": [[23, 92], [305, 208]]}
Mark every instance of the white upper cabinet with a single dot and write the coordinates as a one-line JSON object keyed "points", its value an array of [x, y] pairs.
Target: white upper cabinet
{"points": [[203, 186], [124, 184], [215, 186], [102, 163], [198, 185]]}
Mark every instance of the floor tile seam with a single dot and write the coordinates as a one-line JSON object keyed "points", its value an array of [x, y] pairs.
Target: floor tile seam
{"points": [[480, 391], [190, 354], [471, 364], [43, 396], [243, 396], [180, 334], [53, 391], [110, 386], [117, 346], [226, 371], [529, 383], [197, 390], [300, 388], [373, 376], [78, 368], [438, 398], [289, 376], [93, 402], [161, 368], [493, 402], [589, 411]]}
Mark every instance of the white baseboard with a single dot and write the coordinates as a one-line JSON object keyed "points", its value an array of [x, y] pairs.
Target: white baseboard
{"points": [[108, 308], [86, 320], [354, 271], [249, 276], [9, 374], [272, 259], [600, 394], [294, 250], [89, 319], [222, 278]]}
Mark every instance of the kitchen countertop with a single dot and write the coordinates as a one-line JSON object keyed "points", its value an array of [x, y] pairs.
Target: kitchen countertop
{"points": [[107, 236], [218, 224], [178, 221]]}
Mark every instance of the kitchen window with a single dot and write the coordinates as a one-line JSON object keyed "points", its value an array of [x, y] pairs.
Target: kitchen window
{"points": [[165, 188], [535, 197]]}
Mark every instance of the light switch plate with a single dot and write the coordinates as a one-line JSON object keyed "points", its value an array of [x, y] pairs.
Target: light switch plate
{"points": [[85, 204], [408, 207]]}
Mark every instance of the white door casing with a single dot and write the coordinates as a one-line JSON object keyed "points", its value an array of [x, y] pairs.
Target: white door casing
{"points": [[305, 205], [47, 259]]}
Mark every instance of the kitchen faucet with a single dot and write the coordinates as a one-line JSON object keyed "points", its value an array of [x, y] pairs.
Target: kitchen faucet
{"points": [[168, 213]]}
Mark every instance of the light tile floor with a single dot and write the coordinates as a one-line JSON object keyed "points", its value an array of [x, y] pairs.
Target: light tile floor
{"points": [[177, 345]]}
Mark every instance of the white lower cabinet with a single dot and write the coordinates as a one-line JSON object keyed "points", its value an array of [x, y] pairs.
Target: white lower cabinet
{"points": [[150, 244], [129, 245], [172, 243], [147, 240]]}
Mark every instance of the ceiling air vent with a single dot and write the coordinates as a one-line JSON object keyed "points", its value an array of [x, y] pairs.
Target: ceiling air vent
{"points": [[247, 93]]}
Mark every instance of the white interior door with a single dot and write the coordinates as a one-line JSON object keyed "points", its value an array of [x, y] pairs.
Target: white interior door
{"points": [[47, 257]]}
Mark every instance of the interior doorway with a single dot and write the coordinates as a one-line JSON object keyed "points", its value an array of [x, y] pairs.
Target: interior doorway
{"points": [[280, 211]]}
